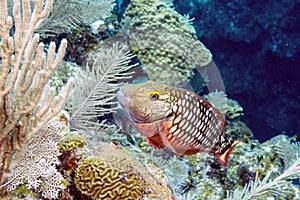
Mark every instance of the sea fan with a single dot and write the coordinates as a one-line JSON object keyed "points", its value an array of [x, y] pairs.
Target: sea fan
{"points": [[95, 88], [68, 14]]}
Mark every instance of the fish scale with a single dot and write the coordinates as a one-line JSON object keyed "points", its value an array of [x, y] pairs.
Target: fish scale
{"points": [[207, 129], [176, 118]]}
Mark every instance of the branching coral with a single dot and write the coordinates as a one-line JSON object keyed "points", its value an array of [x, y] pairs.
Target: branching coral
{"points": [[24, 71]]}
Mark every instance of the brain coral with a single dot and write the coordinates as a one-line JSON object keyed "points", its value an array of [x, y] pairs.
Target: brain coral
{"points": [[70, 142], [108, 177], [116, 173], [164, 40]]}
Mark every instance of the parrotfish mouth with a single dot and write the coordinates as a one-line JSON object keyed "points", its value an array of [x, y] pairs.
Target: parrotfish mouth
{"points": [[125, 101]]}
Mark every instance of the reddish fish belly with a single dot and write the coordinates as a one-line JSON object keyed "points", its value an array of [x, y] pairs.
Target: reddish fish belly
{"points": [[156, 134]]}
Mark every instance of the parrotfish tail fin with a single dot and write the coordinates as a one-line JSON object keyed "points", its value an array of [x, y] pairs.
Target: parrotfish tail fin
{"points": [[222, 151]]}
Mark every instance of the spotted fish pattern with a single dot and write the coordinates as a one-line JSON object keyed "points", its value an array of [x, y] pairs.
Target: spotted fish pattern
{"points": [[176, 118]]}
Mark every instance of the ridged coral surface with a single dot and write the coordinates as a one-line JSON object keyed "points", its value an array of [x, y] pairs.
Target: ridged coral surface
{"points": [[70, 142], [108, 177], [164, 41]]}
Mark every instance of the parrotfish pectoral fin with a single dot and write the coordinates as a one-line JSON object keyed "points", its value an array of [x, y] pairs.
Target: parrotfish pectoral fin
{"points": [[223, 158], [152, 141]]}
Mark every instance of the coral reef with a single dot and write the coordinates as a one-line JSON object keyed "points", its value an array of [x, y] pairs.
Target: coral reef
{"points": [[164, 41], [70, 142], [250, 161], [62, 74], [37, 167], [63, 18], [158, 14], [228, 107], [281, 185], [82, 40], [41, 159], [26, 104], [108, 177], [123, 174], [71, 149], [176, 171], [94, 92], [238, 129], [168, 56]]}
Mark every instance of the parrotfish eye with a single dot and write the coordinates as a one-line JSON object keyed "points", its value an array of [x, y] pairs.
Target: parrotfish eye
{"points": [[154, 95]]}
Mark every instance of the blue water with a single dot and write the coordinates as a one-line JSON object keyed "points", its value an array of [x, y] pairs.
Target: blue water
{"points": [[255, 45]]}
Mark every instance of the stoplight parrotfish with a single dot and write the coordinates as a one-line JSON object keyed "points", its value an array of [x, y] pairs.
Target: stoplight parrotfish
{"points": [[176, 118]]}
